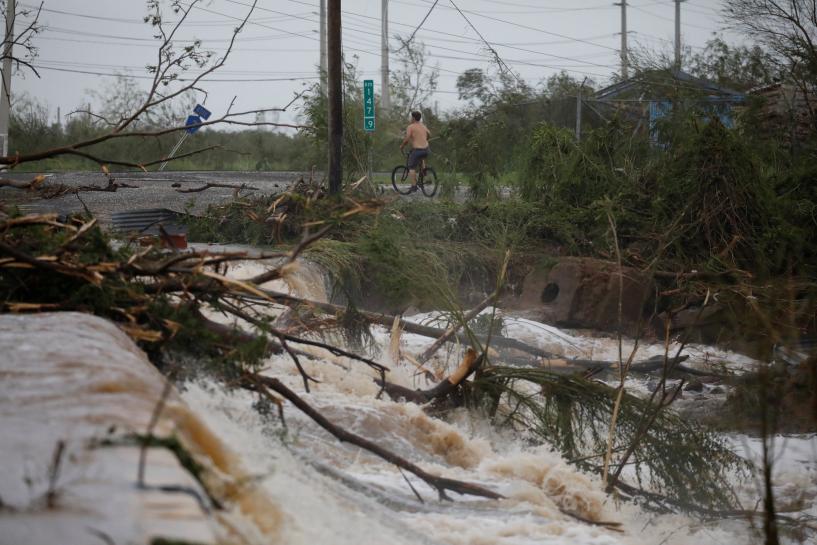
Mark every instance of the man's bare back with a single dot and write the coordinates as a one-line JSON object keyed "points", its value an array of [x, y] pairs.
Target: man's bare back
{"points": [[417, 135]]}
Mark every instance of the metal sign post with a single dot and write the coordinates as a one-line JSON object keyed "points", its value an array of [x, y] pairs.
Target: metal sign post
{"points": [[368, 117], [193, 124], [368, 105]]}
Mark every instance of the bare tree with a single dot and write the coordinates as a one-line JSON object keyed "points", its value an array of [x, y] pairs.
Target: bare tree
{"points": [[172, 79], [21, 41], [788, 28], [415, 82]]}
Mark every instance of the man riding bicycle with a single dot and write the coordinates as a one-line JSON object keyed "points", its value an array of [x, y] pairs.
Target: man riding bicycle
{"points": [[417, 135]]}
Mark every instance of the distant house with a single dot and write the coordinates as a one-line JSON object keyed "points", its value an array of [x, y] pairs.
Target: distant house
{"points": [[652, 95], [786, 110]]}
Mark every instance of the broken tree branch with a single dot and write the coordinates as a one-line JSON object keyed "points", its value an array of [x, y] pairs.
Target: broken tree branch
{"points": [[418, 329], [440, 484], [208, 185], [469, 364], [454, 328]]}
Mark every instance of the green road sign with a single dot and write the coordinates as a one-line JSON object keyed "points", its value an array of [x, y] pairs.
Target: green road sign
{"points": [[368, 105]]}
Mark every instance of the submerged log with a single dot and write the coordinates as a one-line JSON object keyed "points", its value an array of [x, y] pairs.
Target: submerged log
{"points": [[470, 363], [387, 320]]}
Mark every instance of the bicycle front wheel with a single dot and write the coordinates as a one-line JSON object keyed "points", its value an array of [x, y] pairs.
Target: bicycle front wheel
{"points": [[400, 181], [430, 182]]}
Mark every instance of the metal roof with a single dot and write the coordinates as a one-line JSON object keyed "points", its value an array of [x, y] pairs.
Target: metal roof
{"points": [[678, 77]]}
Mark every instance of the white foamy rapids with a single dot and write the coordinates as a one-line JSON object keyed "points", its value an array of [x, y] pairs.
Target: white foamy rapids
{"points": [[360, 499], [310, 470], [569, 345], [545, 497], [301, 278], [331, 492]]}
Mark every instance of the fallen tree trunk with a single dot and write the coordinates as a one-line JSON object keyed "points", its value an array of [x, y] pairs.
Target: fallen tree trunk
{"points": [[469, 364], [643, 366], [418, 329], [234, 335]]}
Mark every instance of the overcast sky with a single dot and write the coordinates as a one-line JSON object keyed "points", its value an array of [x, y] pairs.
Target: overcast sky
{"points": [[86, 42]]}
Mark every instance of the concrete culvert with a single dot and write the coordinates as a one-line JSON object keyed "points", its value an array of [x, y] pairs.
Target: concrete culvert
{"points": [[550, 293]]}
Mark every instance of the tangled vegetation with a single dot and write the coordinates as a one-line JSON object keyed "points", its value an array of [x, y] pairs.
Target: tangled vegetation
{"points": [[678, 459]]}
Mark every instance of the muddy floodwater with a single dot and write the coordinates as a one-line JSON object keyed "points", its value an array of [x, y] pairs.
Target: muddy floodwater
{"points": [[297, 484]]}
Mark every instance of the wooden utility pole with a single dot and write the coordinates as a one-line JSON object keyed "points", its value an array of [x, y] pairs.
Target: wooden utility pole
{"points": [[322, 32], [624, 60], [335, 77], [5, 92], [385, 98]]}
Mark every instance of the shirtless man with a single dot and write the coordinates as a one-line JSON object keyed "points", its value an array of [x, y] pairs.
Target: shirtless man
{"points": [[417, 136]]}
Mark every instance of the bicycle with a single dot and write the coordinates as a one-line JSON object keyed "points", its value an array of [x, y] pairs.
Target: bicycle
{"points": [[426, 178]]}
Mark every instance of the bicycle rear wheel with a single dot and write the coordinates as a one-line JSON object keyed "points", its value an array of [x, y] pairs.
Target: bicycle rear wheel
{"points": [[399, 176], [429, 182]]}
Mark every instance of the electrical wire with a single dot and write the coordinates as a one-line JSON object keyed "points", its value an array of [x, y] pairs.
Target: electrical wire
{"points": [[670, 19], [420, 25], [142, 22], [499, 60], [519, 25], [375, 53], [532, 11], [207, 80], [491, 46]]}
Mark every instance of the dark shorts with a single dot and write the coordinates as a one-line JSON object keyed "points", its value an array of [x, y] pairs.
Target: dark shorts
{"points": [[415, 156]]}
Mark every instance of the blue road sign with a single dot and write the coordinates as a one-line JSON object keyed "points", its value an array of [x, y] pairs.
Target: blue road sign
{"points": [[192, 120], [202, 112], [368, 105]]}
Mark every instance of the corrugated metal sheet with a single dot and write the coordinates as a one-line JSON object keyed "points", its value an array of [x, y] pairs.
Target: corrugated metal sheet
{"points": [[147, 221]]}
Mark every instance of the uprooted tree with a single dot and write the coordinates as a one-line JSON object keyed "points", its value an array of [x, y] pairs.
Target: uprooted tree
{"points": [[176, 74]]}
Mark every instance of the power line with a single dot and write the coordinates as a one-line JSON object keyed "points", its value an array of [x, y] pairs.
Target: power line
{"points": [[73, 32], [377, 54], [282, 30], [71, 63], [510, 46], [421, 23], [569, 38], [519, 25], [153, 46], [665, 40], [476, 58], [709, 11], [539, 9], [368, 52], [515, 4], [402, 24], [208, 80], [642, 10], [499, 60], [454, 50], [140, 22]]}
